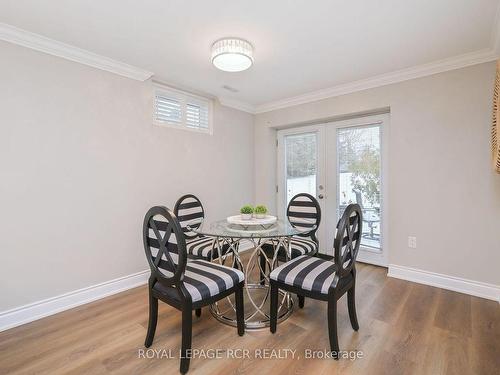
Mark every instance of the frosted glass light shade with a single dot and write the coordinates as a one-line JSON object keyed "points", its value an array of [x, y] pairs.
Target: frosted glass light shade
{"points": [[232, 55]]}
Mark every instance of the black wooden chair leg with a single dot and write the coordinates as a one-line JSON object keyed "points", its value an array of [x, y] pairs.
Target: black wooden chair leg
{"points": [[240, 311], [301, 301], [332, 327], [197, 312], [351, 305], [274, 307], [153, 319], [187, 322], [262, 270]]}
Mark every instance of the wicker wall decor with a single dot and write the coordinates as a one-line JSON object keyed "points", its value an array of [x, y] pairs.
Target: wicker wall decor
{"points": [[495, 129]]}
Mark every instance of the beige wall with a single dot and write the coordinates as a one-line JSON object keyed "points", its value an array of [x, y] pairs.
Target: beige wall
{"points": [[442, 186], [81, 162]]}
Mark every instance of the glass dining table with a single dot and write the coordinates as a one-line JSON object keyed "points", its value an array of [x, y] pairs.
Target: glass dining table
{"points": [[256, 264]]}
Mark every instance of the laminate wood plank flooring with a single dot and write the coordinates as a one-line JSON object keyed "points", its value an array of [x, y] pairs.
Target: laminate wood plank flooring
{"points": [[405, 328]]}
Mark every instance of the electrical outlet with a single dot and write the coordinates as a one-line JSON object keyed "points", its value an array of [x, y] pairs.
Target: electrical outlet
{"points": [[412, 242]]}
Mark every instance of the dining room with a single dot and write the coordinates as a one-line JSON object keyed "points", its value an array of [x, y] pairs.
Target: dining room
{"points": [[250, 187]]}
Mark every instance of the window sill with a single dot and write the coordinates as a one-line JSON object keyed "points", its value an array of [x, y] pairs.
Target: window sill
{"points": [[182, 127]]}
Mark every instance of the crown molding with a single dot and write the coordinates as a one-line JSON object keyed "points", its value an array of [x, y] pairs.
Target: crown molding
{"points": [[457, 62], [40, 43], [43, 44], [162, 84], [419, 71], [236, 104]]}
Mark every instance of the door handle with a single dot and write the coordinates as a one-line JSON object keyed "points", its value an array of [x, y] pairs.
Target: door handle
{"points": [[320, 196]]}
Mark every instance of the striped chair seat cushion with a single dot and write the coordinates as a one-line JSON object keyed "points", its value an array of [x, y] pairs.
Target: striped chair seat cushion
{"points": [[301, 246], [306, 272], [201, 247], [204, 279]]}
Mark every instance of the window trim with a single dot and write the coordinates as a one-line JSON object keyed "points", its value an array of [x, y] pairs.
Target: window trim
{"points": [[184, 98]]}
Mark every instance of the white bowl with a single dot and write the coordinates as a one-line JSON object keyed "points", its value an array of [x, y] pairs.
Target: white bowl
{"points": [[239, 220]]}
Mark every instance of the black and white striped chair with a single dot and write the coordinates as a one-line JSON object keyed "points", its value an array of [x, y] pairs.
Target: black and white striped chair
{"points": [[183, 283], [190, 212], [323, 279], [304, 213]]}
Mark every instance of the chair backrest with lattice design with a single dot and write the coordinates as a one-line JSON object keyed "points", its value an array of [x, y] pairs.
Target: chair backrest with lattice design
{"points": [[164, 245]]}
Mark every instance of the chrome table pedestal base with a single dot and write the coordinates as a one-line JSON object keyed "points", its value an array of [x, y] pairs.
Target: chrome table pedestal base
{"points": [[256, 282]]}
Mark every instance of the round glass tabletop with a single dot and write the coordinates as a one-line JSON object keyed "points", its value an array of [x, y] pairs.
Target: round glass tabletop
{"points": [[222, 228]]}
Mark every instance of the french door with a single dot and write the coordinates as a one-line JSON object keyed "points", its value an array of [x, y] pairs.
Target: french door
{"points": [[339, 163]]}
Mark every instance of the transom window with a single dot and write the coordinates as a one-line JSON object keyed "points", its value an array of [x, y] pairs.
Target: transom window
{"points": [[181, 110]]}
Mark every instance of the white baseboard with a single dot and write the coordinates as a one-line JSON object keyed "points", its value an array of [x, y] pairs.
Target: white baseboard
{"points": [[456, 284], [37, 310], [40, 309]]}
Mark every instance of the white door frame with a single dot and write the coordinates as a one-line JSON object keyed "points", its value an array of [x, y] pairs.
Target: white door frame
{"points": [[327, 161], [320, 176]]}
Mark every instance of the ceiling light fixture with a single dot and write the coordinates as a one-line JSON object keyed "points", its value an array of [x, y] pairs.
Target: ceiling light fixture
{"points": [[232, 54]]}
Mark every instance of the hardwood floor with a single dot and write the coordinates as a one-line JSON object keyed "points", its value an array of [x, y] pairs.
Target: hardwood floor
{"points": [[405, 328]]}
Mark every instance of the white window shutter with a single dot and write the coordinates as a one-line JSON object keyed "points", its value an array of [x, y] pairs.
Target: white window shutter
{"points": [[182, 110], [197, 115], [168, 109]]}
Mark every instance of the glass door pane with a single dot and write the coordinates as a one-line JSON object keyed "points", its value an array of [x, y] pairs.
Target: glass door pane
{"points": [[358, 178], [301, 164]]}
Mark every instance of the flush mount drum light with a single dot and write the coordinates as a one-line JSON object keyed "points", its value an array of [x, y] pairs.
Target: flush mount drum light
{"points": [[232, 54]]}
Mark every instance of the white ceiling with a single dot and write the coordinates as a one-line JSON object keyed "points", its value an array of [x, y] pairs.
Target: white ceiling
{"points": [[300, 46]]}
